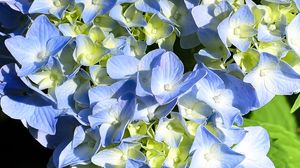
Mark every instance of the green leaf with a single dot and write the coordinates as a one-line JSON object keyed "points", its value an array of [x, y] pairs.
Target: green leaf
{"points": [[296, 104], [276, 112], [285, 145]]}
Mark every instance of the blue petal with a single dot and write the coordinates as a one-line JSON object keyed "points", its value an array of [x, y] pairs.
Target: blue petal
{"points": [[147, 63], [117, 89], [203, 139], [64, 94], [56, 44], [149, 6], [243, 15], [19, 5], [230, 136], [223, 31], [89, 13], [206, 14], [91, 10], [265, 35], [40, 6], [136, 164], [79, 136], [255, 147], [226, 157], [64, 132], [21, 48], [245, 102], [44, 118], [42, 30], [111, 133], [122, 67], [81, 94]]}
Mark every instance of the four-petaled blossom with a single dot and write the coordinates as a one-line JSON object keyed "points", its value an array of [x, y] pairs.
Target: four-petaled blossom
{"points": [[42, 41], [211, 153]]}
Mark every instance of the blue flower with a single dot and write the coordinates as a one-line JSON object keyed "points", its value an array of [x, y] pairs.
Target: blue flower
{"points": [[42, 41], [113, 117], [168, 81], [23, 101], [211, 16], [222, 92], [238, 29], [210, 152], [271, 77]]}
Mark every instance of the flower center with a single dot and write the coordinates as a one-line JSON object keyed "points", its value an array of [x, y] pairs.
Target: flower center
{"points": [[96, 2], [168, 87], [41, 56]]}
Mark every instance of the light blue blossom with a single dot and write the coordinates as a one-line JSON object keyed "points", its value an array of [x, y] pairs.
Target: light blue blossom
{"points": [[113, 117], [169, 82], [272, 77], [238, 29], [42, 41], [210, 152], [221, 94]]}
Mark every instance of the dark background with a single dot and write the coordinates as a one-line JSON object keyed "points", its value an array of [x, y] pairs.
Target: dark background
{"points": [[18, 147]]}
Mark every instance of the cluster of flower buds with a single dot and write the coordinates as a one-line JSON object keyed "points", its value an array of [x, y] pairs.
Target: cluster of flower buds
{"points": [[148, 83]]}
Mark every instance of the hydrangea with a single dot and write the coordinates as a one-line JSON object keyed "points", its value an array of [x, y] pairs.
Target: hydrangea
{"points": [[148, 83]]}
